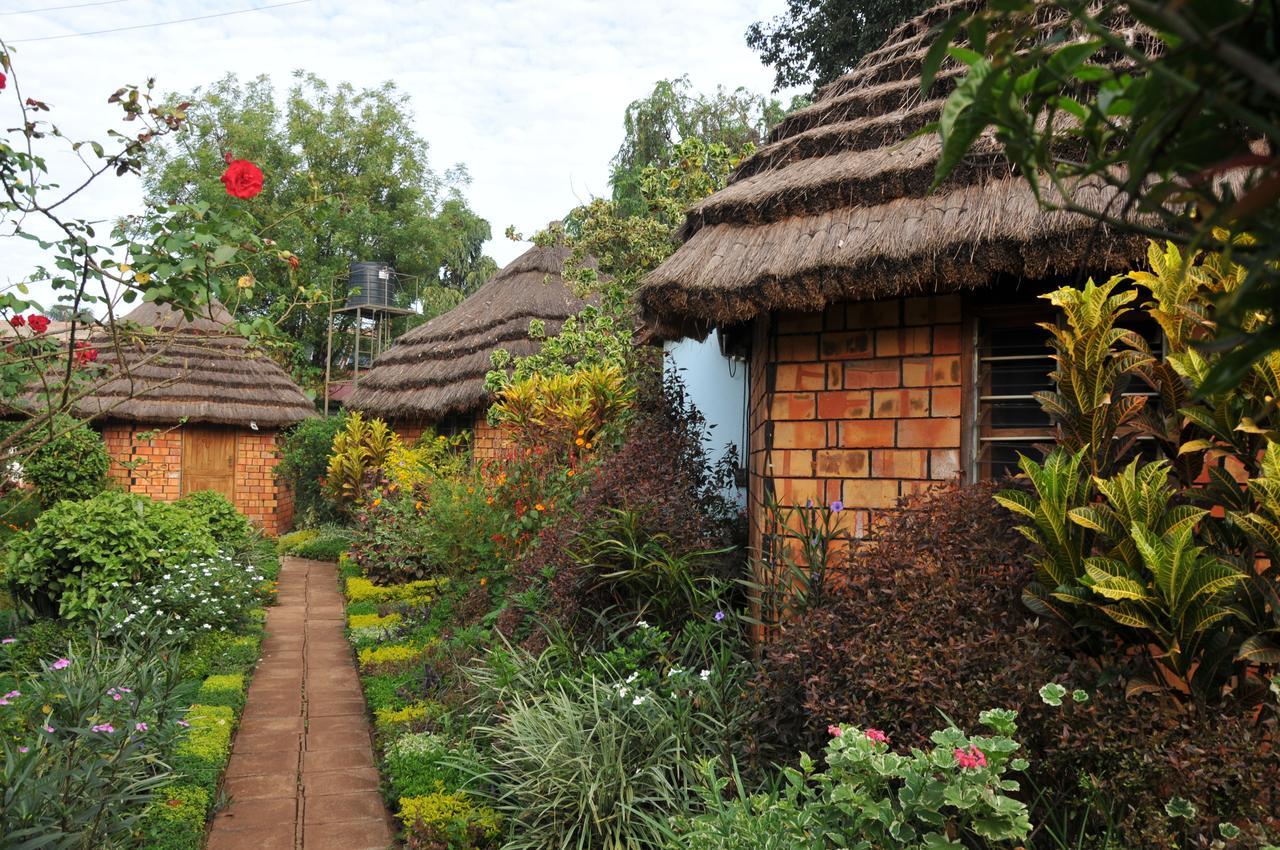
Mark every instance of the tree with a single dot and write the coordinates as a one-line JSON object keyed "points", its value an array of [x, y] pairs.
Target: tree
{"points": [[183, 255], [353, 160], [818, 40], [1182, 124], [654, 126]]}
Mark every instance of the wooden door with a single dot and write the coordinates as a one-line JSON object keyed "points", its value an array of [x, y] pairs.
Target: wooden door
{"points": [[209, 460]]}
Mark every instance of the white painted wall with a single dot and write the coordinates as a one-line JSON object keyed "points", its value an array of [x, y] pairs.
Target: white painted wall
{"points": [[717, 387]]}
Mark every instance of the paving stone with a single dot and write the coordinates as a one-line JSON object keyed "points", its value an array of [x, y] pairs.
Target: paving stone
{"points": [[360, 755], [257, 814], [335, 706], [343, 808], [256, 764], [356, 835], [273, 785], [275, 837], [318, 783], [268, 742], [269, 725]]}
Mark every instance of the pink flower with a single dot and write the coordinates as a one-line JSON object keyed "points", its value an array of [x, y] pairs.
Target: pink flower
{"points": [[103, 727], [834, 731], [8, 641], [184, 724], [971, 759], [4, 701], [13, 694], [60, 664], [140, 727], [875, 736], [46, 727], [24, 749]]}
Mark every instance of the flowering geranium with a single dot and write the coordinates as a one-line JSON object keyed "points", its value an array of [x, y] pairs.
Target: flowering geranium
{"points": [[242, 178], [876, 736], [970, 758]]}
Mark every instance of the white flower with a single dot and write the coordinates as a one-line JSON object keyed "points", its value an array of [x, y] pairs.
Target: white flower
{"points": [[638, 701], [642, 624], [622, 692], [633, 677], [704, 675]]}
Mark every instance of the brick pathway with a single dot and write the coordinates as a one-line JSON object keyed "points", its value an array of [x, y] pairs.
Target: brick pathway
{"points": [[301, 775]]}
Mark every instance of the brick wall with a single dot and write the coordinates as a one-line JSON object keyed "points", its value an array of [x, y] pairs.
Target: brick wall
{"points": [[259, 496], [860, 403], [487, 442], [148, 461]]}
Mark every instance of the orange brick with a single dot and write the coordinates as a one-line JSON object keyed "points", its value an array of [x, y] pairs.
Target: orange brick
{"points": [[797, 347], [895, 404], [929, 433], [944, 464], [872, 373], [843, 463], [852, 345], [900, 463], [870, 493], [899, 341], [791, 464], [792, 322], [792, 406], [946, 339], [791, 377], [931, 372], [844, 404], [800, 435], [796, 491], [866, 434], [945, 401]]}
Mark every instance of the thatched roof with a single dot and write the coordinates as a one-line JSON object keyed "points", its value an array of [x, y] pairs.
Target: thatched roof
{"points": [[198, 370], [438, 369], [836, 206]]}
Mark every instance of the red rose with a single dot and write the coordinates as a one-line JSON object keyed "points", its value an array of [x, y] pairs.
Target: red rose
{"points": [[38, 323], [85, 353], [17, 321], [3, 81], [242, 178]]}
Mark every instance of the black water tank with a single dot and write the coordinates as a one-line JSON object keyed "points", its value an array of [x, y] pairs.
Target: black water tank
{"points": [[371, 285]]}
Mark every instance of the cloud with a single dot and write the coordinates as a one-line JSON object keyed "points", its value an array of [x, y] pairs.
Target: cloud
{"points": [[528, 95]]}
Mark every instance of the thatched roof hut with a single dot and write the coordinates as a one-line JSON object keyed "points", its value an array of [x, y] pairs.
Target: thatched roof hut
{"points": [[197, 370], [438, 370], [837, 206]]}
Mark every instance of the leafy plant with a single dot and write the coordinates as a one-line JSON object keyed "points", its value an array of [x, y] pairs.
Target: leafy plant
{"points": [[79, 554], [304, 461], [231, 530], [870, 796], [361, 446], [68, 461]]}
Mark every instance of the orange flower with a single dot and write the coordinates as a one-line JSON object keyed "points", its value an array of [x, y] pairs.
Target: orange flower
{"points": [[579, 441], [489, 501], [588, 445], [417, 505], [377, 501], [539, 507], [569, 473], [581, 431], [483, 582]]}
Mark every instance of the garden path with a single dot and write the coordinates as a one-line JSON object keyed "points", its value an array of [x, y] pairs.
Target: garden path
{"points": [[301, 775]]}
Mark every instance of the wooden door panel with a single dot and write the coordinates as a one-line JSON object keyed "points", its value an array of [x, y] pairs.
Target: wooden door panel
{"points": [[209, 460]]}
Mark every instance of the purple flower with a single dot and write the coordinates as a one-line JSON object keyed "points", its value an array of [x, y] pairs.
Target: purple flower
{"points": [[60, 664], [837, 506], [719, 616]]}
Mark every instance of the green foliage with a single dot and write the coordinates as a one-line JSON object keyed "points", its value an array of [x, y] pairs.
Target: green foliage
{"points": [[80, 553], [86, 770], [318, 544], [387, 690], [359, 448], [655, 125], [230, 528], [818, 40], [449, 820], [352, 159], [1149, 119], [175, 821], [68, 461], [203, 595], [871, 796], [203, 753], [304, 460], [219, 652], [423, 763], [223, 689]]}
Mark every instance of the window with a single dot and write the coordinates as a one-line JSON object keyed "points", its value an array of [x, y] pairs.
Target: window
{"points": [[1013, 362], [1013, 359]]}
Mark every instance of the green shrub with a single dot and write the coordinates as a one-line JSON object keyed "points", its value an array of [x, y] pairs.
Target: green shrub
{"points": [[202, 595], [424, 763], [304, 458], [449, 820], [80, 553], [317, 544], [72, 464], [203, 753], [231, 530], [387, 691], [391, 723], [223, 689], [219, 652], [175, 821], [953, 795], [18, 511]]}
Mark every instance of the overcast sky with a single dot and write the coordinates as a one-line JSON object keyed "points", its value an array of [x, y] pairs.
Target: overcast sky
{"points": [[528, 95]]}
